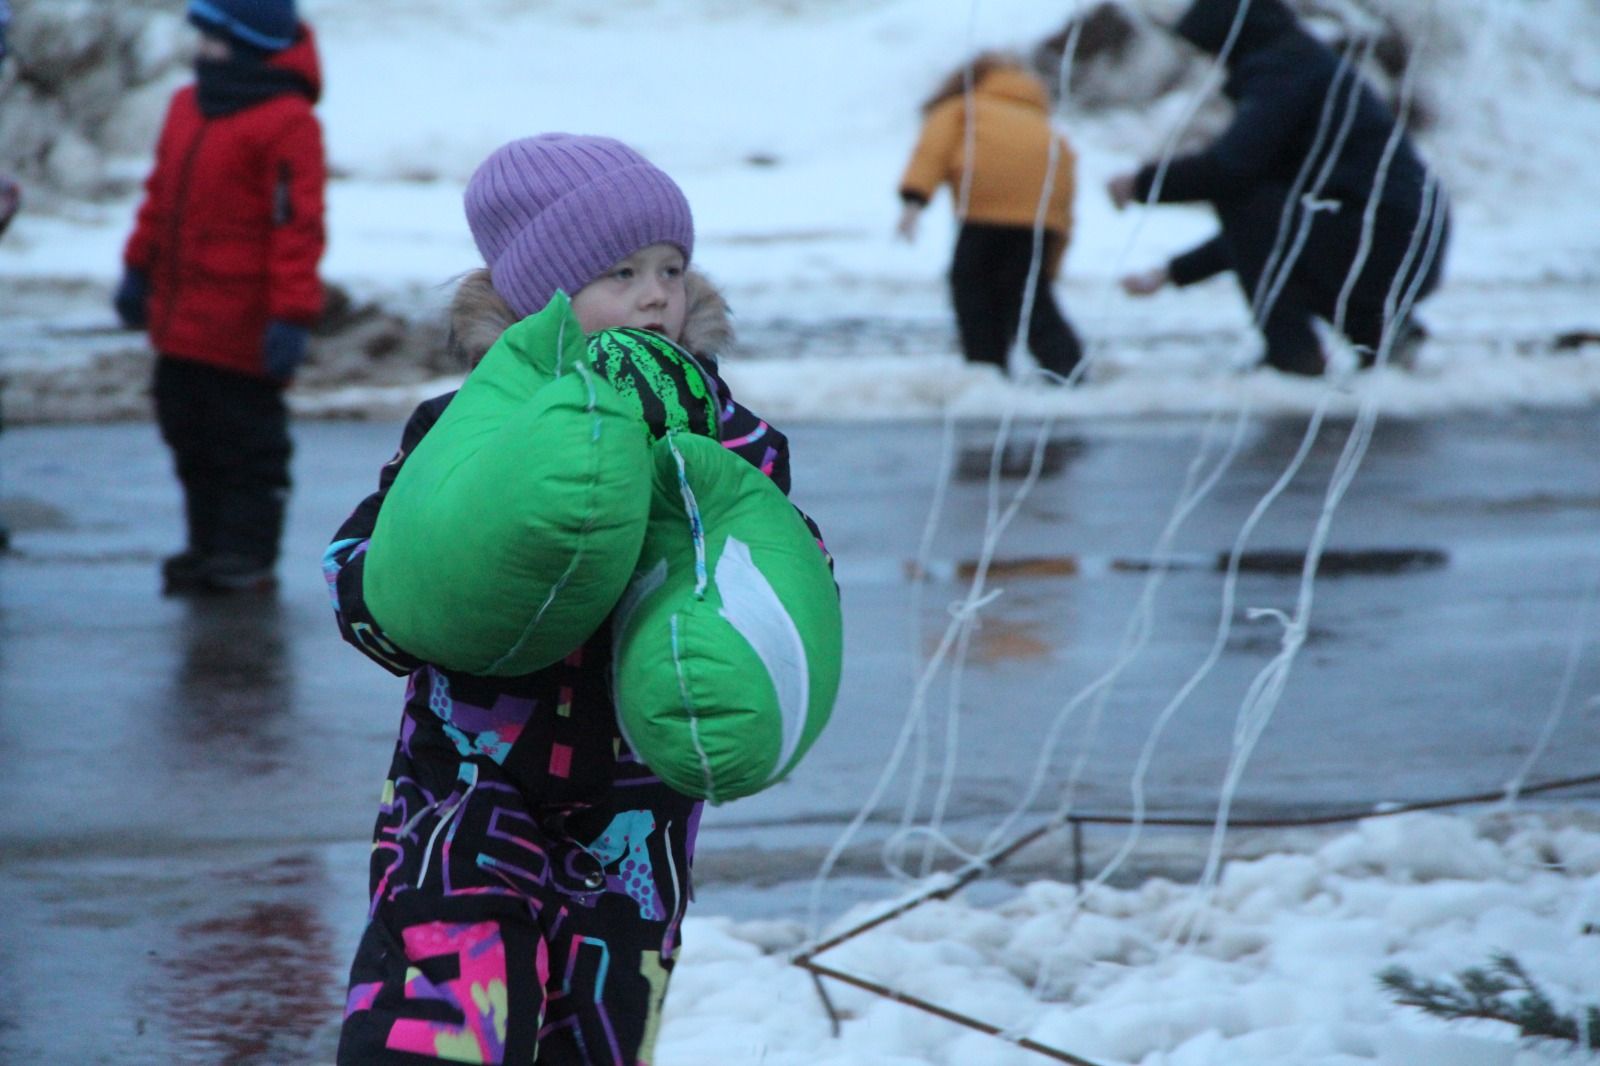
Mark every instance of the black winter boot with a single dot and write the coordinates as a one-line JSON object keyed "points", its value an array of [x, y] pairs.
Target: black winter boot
{"points": [[1303, 363], [237, 573], [182, 574]]}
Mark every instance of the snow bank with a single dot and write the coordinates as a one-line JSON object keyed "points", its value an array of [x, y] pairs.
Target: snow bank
{"points": [[1276, 964]]}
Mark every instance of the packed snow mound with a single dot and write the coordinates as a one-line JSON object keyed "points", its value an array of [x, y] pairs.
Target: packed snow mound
{"points": [[1276, 963]]}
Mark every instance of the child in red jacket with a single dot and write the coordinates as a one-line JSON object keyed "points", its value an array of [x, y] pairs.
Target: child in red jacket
{"points": [[222, 271]]}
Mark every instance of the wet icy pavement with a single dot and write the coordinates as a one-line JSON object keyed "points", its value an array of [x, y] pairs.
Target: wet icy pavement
{"points": [[190, 783]]}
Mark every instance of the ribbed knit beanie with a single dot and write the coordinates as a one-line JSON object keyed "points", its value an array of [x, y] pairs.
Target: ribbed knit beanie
{"points": [[270, 25], [555, 211]]}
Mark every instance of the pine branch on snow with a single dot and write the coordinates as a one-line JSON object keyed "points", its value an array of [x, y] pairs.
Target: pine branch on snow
{"points": [[1503, 991]]}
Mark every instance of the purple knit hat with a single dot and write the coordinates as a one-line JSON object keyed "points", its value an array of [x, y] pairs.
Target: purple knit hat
{"points": [[555, 211]]}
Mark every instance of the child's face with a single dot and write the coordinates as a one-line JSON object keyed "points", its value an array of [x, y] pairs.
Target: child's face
{"points": [[643, 291], [213, 48]]}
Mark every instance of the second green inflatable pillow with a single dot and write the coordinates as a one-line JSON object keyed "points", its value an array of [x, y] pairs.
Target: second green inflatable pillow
{"points": [[729, 641]]}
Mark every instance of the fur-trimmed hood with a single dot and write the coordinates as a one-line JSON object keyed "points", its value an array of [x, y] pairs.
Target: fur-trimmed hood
{"points": [[478, 315]]}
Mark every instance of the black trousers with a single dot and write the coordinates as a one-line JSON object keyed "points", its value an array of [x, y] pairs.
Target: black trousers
{"points": [[988, 278], [229, 436], [1317, 273]]}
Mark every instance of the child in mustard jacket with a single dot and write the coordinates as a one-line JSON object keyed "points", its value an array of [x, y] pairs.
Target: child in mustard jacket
{"points": [[1010, 175]]}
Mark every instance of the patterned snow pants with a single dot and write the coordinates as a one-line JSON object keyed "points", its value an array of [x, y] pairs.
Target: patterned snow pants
{"points": [[504, 933]]}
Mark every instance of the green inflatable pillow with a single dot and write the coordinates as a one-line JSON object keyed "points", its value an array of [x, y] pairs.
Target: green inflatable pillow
{"points": [[730, 638], [512, 529]]}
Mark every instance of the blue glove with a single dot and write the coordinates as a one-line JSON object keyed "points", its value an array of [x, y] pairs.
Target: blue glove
{"points": [[284, 348], [133, 299], [10, 198]]}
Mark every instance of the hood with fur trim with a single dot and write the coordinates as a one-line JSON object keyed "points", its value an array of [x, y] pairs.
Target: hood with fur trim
{"points": [[478, 315]]}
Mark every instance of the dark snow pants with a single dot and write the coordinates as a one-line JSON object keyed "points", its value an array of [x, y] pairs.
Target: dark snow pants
{"points": [[1317, 270], [503, 933], [229, 436], [988, 278]]}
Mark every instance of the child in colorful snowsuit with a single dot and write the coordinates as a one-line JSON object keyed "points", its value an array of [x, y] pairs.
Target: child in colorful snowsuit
{"points": [[221, 269], [529, 874]]}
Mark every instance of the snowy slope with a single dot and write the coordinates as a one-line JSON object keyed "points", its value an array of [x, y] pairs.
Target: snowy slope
{"points": [[787, 123]]}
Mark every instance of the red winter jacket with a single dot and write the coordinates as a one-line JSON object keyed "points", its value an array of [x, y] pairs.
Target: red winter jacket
{"points": [[230, 230]]}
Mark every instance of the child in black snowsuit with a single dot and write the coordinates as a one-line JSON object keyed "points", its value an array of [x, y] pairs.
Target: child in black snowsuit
{"points": [[529, 874], [1327, 210]]}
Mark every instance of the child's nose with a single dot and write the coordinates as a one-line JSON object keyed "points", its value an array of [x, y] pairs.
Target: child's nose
{"points": [[655, 293]]}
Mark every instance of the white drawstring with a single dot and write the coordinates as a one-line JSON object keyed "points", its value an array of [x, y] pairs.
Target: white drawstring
{"points": [[696, 527], [468, 774]]}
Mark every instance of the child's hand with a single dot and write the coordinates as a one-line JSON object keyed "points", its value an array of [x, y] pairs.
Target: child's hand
{"points": [[1120, 189], [907, 226], [132, 299], [284, 349], [1146, 281]]}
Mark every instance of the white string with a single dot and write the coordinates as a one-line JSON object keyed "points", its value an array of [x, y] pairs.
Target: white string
{"points": [[975, 596], [1266, 689], [467, 774], [1218, 644], [967, 622], [1261, 306], [1137, 632], [1310, 201], [1580, 636], [1135, 635], [1296, 191], [1020, 339], [969, 129], [919, 581], [691, 513], [870, 805], [966, 612], [1264, 692]]}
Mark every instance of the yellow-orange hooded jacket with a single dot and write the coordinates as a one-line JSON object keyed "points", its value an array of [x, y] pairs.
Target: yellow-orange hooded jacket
{"points": [[1010, 156]]}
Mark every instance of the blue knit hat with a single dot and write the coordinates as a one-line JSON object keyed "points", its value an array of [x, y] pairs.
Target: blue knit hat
{"points": [[270, 25]]}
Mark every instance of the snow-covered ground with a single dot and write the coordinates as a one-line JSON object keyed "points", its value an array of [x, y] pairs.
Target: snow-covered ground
{"points": [[787, 123], [1277, 964]]}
